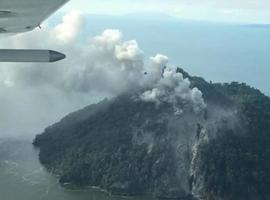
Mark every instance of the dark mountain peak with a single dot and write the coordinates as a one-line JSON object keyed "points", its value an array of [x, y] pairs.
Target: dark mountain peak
{"points": [[135, 145]]}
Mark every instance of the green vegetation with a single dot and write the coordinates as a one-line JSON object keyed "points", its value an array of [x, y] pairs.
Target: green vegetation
{"points": [[237, 165], [95, 147], [98, 150]]}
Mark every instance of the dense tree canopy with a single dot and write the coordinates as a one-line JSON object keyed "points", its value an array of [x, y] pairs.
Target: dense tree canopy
{"points": [[94, 146]]}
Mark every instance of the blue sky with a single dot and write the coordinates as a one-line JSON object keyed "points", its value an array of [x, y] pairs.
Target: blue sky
{"points": [[236, 11]]}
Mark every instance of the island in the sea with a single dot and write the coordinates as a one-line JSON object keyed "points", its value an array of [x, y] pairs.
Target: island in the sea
{"points": [[197, 140]]}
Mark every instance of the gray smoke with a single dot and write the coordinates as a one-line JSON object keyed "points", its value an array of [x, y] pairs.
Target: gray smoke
{"points": [[32, 96], [173, 88]]}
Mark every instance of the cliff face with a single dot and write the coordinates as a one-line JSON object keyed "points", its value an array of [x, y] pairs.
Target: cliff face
{"points": [[131, 146]]}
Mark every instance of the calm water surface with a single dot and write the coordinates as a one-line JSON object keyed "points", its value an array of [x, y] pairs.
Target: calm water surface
{"points": [[23, 178]]}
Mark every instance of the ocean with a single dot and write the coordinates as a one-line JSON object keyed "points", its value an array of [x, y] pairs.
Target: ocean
{"points": [[22, 177], [219, 52]]}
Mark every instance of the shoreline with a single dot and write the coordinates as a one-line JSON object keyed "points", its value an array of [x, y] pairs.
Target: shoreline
{"points": [[74, 188]]}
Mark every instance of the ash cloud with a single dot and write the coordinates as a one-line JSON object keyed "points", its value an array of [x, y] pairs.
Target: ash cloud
{"points": [[103, 66], [173, 88]]}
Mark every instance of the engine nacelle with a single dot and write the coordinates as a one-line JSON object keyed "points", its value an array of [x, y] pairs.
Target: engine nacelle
{"points": [[30, 55]]}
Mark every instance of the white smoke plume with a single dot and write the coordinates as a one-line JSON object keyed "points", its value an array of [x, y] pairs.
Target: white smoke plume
{"points": [[172, 87], [68, 30], [104, 66]]}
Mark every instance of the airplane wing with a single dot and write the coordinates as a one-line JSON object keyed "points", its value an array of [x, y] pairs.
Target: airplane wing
{"points": [[18, 16], [24, 15]]}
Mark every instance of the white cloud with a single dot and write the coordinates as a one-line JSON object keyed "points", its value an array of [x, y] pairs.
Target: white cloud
{"points": [[69, 28], [107, 40], [128, 51], [106, 64], [160, 59]]}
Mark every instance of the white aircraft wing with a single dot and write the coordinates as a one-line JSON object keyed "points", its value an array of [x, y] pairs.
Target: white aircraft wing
{"points": [[18, 16], [24, 15]]}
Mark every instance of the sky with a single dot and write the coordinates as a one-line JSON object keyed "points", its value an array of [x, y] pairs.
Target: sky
{"points": [[236, 11]]}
